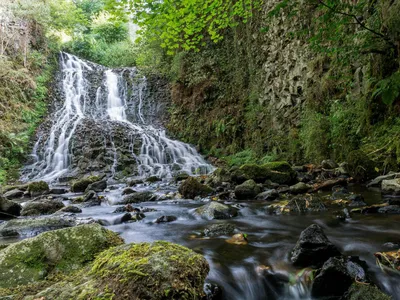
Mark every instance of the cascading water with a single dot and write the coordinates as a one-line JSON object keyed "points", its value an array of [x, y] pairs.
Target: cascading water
{"points": [[112, 101]]}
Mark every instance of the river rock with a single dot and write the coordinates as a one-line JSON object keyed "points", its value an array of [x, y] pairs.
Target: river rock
{"points": [[390, 209], [278, 172], [79, 186], [181, 176], [8, 208], [377, 182], [165, 219], [43, 207], [32, 227], [153, 179], [38, 188], [313, 248], [190, 188], [371, 209], [389, 259], [97, 186], [64, 250], [215, 210], [332, 280], [238, 239], [138, 197], [58, 190], [159, 270], [268, 195], [247, 190], [299, 188], [219, 229], [70, 209], [128, 191], [391, 187], [212, 291], [13, 194]]}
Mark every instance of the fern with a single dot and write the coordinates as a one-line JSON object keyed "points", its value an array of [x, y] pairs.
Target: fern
{"points": [[388, 89]]}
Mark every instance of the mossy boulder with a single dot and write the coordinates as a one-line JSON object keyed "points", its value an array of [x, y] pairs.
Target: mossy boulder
{"points": [[191, 187], [8, 208], [64, 250], [44, 207], [247, 190], [38, 188], [80, 185], [219, 229], [159, 270], [308, 203], [360, 166]]}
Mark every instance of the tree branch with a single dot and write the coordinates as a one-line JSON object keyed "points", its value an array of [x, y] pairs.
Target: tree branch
{"points": [[359, 22]]}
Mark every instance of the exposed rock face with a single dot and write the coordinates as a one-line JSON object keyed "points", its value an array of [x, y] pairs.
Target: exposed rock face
{"points": [[248, 190], [313, 248], [64, 250], [190, 188], [215, 210]]}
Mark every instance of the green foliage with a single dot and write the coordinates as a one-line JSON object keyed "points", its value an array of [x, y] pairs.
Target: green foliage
{"points": [[388, 89], [109, 31], [187, 24]]}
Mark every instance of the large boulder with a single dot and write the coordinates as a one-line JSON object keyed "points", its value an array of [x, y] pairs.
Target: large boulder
{"points": [[190, 188], [9, 209], [159, 270], [313, 248], [138, 197], [38, 188], [43, 207], [391, 187], [215, 210], [248, 190], [79, 186], [32, 227], [64, 250]]}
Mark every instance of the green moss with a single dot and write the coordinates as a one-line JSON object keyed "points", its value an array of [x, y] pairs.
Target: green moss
{"points": [[191, 187], [81, 184], [64, 250], [366, 292], [278, 172], [132, 269], [38, 187]]}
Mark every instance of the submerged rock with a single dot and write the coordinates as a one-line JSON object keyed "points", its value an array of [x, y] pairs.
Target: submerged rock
{"points": [[32, 227], [9, 209], [219, 229], [64, 251], [313, 248], [191, 188], [138, 197], [215, 210], [247, 190], [44, 207]]}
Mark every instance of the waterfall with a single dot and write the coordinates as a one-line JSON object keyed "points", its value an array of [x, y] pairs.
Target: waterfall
{"points": [[114, 101]]}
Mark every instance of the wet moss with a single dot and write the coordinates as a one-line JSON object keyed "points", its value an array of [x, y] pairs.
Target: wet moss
{"points": [[81, 184], [38, 187], [191, 188], [359, 291], [278, 172]]}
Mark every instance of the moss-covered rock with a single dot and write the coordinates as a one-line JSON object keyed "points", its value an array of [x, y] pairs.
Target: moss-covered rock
{"points": [[44, 207], [63, 250], [247, 190], [190, 188], [219, 229], [160, 270], [298, 205], [38, 188], [360, 291], [138, 197], [360, 166], [80, 185]]}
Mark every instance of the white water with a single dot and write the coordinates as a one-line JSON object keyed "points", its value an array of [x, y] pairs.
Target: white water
{"points": [[158, 154]]}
